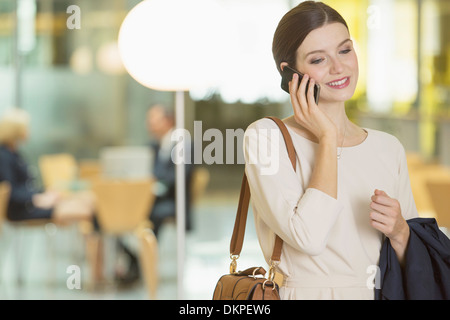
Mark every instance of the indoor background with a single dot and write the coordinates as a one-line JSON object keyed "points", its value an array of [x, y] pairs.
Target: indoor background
{"points": [[81, 100]]}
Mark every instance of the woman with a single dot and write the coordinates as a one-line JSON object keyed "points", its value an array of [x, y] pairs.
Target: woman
{"points": [[26, 202], [351, 185]]}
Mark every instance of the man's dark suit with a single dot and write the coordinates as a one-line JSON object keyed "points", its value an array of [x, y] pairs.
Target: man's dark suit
{"points": [[164, 173]]}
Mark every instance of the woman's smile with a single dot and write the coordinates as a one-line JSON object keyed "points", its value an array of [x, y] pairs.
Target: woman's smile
{"points": [[339, 83]]}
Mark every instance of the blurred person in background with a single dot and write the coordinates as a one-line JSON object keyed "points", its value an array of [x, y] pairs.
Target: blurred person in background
{"points": [[26, 201], [160, 125]]}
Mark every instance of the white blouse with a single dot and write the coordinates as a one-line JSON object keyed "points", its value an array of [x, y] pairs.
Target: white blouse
{"points": [[330, 250]]}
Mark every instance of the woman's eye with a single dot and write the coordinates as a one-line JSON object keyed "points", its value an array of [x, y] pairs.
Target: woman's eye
{"points": [[345, 51], [316, 61]]}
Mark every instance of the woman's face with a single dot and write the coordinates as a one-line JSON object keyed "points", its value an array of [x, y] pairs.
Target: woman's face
{"points": [[327, 55]]}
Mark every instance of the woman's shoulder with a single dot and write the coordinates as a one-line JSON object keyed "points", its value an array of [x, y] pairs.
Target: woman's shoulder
{"points": [[263, 123], [384, 139]]}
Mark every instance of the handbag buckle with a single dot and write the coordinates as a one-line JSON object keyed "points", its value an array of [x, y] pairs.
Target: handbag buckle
{"points": [[272, 270], [272, 284], [271, 276], [254, 276]]}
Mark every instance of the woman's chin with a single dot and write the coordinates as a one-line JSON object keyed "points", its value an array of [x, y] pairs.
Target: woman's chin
{"points": [[336, 96]]}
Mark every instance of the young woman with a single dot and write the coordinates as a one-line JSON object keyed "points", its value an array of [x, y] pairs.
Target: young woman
{"points": [[351, 186]]}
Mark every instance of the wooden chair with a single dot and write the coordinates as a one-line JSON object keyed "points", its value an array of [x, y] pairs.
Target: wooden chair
{"points": [[123, 207], [200, 180], [419, 177], [58, 170], [414, 160], [149, 259], [46, 224], [89, 171], [5, 191], [439, 192]]}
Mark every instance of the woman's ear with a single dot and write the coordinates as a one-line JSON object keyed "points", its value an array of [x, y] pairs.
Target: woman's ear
{"points": [[282, 65]]}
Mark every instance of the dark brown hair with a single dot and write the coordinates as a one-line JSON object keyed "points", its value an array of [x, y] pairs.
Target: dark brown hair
{"points": [[296, 24]]}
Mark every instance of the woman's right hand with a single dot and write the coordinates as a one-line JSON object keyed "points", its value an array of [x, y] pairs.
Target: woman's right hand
{"points": [[306, 112]]}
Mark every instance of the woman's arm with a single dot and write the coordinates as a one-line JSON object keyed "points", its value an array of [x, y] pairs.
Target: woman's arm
{"points": [[324, 175], [391, 214]]}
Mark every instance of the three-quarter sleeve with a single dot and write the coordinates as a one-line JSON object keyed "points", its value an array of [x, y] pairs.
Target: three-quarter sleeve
{"points": [[405, 195], [302, 218]]}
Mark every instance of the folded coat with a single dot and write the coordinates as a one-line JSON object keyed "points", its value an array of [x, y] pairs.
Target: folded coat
{"points": [[426, 275]]}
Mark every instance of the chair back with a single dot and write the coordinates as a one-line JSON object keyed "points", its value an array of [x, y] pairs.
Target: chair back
{"points": [[199, 182], [89, 171], [419, 177], [439, 192], [58, 170], [5, 191], [122, 205]]}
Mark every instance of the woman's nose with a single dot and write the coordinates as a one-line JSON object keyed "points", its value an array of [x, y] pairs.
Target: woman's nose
{"points": [[336, 66]]}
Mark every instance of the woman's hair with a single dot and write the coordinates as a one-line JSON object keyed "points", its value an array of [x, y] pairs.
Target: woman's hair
{"points": [[296, 24], [14, 125]]}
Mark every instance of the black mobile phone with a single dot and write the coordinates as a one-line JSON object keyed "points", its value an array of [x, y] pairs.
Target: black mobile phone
{"points": [[286, 76]]}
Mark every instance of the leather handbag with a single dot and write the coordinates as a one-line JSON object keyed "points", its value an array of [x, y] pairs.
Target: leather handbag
{"points": [[251, 284]]}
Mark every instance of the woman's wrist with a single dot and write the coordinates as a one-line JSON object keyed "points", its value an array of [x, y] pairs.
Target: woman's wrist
{"points": [[400, 243], [328, 139]]}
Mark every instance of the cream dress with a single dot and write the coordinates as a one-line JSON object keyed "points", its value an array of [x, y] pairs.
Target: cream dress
{"points": [[330, 250]]}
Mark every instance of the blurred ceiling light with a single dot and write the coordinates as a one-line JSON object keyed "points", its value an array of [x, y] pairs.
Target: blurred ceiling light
{"points": [[81, 60], [26, 15], [174, 45], [381, 58], [108, 59], [251, 74]]}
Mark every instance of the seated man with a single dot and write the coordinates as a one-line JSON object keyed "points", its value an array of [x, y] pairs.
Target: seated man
{"points": [[160, 125]]}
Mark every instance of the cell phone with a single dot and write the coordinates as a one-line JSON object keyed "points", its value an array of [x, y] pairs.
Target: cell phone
{"points": [[286, 76]]}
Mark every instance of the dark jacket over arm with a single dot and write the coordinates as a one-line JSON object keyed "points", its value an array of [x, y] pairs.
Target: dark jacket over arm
{"points": [[426, 275]]}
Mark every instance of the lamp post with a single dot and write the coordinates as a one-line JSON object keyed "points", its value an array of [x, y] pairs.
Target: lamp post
{"points": [[170, 45]]}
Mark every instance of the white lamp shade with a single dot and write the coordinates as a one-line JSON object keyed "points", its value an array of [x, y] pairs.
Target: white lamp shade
{"points": [[173, 45]]}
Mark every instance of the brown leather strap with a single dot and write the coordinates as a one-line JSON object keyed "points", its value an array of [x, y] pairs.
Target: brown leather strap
{"points": [[287, 139], [237, 239]]}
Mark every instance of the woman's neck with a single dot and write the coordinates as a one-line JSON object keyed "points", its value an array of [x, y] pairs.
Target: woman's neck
{"points": [[336, 112]]}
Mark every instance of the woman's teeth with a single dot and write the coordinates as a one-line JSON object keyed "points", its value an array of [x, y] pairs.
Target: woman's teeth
{"points": [[338, 83]]}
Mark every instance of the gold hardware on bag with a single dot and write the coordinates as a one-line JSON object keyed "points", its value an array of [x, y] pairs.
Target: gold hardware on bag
{"points": [[254, 272], [233, 263], [272, 270], [271, 275], [272, 284]]}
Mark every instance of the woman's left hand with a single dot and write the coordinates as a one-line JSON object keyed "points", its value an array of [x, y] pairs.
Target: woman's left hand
{"points": [[387, 218]]}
